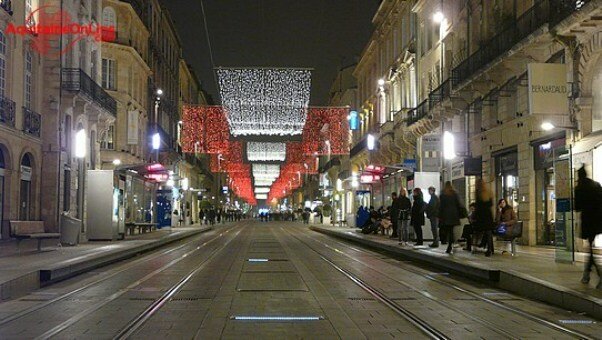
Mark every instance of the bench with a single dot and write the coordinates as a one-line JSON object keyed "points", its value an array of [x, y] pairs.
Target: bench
{"points": [[142, 227], [31, 230], [515, 232]]}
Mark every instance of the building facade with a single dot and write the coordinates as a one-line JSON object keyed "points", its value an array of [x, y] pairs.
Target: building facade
{"points": [[474, 73], [21, 100]]}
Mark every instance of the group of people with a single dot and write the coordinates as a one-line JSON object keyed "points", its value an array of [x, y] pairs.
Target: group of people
{"points": [[444, 213], [211, 216]]}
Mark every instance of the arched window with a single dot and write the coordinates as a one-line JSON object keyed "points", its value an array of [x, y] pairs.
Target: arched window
{"points": [[25, 198], [109, 18]]}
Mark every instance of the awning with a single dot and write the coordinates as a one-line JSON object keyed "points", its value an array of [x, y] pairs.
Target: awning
{"points": [[588, 143]]}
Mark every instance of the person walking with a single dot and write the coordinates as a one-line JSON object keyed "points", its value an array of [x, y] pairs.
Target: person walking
{"points": [[483, 215], [395, 211], [450, 212], [432, 213], [405, 207], [417, 215], [588, 201]]}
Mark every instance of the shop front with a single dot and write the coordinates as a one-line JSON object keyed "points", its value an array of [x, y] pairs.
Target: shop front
{"points": [[506, 176]]}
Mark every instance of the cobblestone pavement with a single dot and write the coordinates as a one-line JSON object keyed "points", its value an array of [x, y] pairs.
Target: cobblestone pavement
{"points": [[279, 280]]}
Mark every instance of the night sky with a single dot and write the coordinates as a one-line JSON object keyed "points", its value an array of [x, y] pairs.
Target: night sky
{"points": [[320, 34]]}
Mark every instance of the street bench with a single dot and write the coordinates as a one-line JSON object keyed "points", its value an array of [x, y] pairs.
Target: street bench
{"points": [[515, 232], [22, 230], [143, 227]]}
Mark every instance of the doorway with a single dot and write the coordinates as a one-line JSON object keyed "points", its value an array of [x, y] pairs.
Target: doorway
{"points": [[25, 188]]}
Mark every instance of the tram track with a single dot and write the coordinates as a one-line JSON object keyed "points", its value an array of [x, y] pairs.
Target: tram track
{"points": [[486, 323], [6, 322]]}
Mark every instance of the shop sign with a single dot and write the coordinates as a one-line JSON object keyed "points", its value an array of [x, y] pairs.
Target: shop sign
{"points": [[473, 166], [431, 153], [410, 164], [457, 170], [548, 88], [133, 128]]}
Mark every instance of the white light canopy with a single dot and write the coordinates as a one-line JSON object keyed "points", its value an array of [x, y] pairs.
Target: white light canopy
{"points": [[261, 151], [266, 171], [261, 196], [264, 182], [262, 190], [265, 101]]}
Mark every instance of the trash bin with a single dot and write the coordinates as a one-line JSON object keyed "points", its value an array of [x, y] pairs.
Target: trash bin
{"points": [[70, 228]]}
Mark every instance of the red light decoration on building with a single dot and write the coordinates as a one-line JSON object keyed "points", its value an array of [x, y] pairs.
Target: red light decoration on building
{"points": [[204, 129], [326, 131]]}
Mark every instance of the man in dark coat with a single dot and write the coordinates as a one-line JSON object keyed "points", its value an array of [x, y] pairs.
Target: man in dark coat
{"points": [[417, 214], [588, 200], [395, 210], [405, 207], [432, 213]]}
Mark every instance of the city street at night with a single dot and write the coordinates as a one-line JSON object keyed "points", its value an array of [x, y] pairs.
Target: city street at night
{"points": [[300, 169]]}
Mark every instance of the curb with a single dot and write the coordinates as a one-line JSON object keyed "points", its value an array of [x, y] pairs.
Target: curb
{"points": [[512, 281], [29, 282]]}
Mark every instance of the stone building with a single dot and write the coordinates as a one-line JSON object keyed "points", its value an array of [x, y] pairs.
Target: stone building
{"points": [[21, 102], [480, 74]]}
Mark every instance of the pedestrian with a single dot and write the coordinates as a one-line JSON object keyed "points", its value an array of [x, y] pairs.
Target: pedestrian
{"points": [[395, 211], [469, 233], [588, 201], [483, 215], [417, 214], [432, 213], [451, 211], [405, 207], [504, 215]]}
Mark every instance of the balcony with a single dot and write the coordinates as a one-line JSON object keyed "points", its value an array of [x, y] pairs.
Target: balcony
{"points": [[76, 80], [31, 122], [7, 112], [439, 94], [542, 12], [418, 113], [7, 6]]}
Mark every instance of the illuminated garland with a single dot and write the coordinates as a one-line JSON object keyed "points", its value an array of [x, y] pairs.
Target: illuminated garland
{"points": [[262, 101], [261, 151]]}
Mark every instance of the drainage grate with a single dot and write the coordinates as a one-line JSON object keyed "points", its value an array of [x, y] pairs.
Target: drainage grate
{"points": [[190, 299], [34, 300], [361, 299], [403, 299], [141, 299]]}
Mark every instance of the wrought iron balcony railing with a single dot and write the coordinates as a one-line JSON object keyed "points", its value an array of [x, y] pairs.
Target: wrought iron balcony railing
{"points": [[418, 113], [439, 94], [549, 12], [32, 122], [7, 112], [7, 5], [76, 80]]}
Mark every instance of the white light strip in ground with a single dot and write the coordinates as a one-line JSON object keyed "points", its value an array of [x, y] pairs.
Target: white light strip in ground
{"points": [[277, 318], [258, 260]]}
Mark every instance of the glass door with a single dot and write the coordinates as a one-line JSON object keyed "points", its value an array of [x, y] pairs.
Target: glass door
{"points": [[563, 195]]}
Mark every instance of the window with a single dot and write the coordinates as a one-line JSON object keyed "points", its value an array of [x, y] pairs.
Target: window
{"points": [[109, 18], [28, 78], [2, 64], [108, 74]]}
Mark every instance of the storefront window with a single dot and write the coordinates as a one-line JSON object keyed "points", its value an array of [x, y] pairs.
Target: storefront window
{"points": [[506, 182], [545, 155]]}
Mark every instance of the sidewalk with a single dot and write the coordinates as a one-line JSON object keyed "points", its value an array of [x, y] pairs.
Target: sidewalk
{"points": [[532, 273], [28, 269]]}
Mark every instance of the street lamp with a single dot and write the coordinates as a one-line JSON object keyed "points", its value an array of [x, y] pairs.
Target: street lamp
{"points": [[80, 144], [371, 142], [449, 147], [381, 82], [547, 126], [156, 136], [117, 162], [438, 17]]}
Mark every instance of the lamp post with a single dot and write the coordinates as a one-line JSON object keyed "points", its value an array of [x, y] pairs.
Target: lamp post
{"points": [[156, 135], [80, 154]]}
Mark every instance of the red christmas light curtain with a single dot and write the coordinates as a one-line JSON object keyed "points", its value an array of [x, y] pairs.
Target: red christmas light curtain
{"points": [[326, 131], [204, 129]]}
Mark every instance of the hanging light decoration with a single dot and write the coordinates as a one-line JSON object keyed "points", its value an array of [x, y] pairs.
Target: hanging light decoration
{"points": [[326, 131], [204, 129], [264, 101], [260, 151]]}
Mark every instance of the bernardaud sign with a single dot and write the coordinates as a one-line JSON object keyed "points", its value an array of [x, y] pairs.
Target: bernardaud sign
{"points": [[548, 88]]}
